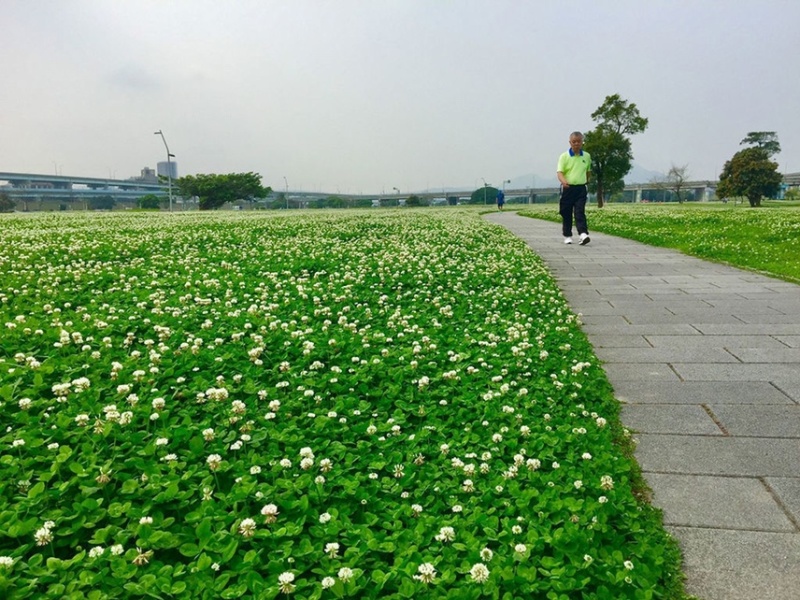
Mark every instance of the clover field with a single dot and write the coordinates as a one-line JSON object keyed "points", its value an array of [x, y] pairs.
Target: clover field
{"points": [[376, 404]]}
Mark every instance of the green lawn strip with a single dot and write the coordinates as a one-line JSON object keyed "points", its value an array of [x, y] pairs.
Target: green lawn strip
{"points": [[765, 240], [222, 405]]}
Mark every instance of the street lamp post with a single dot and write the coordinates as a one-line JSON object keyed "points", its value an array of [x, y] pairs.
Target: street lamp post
{"points": [[485, 185], [286, 192], [169, 168], [398, 193]]}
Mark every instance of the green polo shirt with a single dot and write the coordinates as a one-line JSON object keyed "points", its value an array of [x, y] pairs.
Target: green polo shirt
{"points": [[575, 167]]}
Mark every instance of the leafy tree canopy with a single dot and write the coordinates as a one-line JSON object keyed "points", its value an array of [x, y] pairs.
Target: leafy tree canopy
{"points": [[619, 116], [611, 161], [767, 140], [484, 195], [750, 173], [6, 203], [215, 190], [149, 201], [609, 147]]}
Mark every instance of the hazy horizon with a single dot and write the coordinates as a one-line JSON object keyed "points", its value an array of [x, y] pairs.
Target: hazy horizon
{"points": [[363, 97]]}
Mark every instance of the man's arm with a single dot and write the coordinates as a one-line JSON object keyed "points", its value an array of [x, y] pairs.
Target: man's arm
{"points": [[562, 179]]}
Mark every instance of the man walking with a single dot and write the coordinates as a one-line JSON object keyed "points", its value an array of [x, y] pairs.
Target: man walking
{"points": [[574, 167]]}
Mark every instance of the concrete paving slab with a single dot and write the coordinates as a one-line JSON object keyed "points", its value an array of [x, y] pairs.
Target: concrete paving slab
{"points": [[793, 341], [737, 372], [723, 502], [620, 341], [740, 565], [790, 388], [749, 328], [767, 319], [759, 420], [729, 342], [699, 392], [787, 490], [718, 455], [646, 317], [674, 418], [772, 355], [643, 372], [664, 355], [624, 328]]}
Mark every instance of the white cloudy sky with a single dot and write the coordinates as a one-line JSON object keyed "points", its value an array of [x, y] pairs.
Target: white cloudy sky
{"points": [[368, 95]]}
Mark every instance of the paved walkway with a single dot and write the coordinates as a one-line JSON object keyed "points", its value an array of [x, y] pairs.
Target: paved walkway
{"points": [[706, 359]]}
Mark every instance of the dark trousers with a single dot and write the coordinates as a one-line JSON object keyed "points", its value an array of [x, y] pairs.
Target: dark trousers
{"points": [[573, 201]]}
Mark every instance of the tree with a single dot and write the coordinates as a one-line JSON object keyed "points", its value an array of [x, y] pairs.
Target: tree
{"points": [[611, 161], [215, 190], [766, 140], [7, 205], [675, 181], [413, 200], [608, 145], [618, 115], [750, 173], [102, 203], [483, 195], [150, 201]]}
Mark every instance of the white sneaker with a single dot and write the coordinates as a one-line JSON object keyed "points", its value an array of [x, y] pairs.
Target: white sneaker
{"points": [[568, 240], [585, 239]]}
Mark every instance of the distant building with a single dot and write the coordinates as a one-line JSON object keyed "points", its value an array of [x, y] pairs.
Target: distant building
{"points": [[148, 176], [167, 169]]}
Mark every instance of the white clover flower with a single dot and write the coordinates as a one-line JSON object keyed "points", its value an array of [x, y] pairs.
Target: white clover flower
{"points": [[96, 551], [479, 573], [398, 471], [345, 574], [332, 549], [285, 463], [486, 555], [426, 573], [446, 534], [208, 434], [324, 518], [247, 528], [578, 484], [628, 565], [146, 521], [270, 512], [520, 548], [117, 549], [416, 510], [285, 580], [6, 562], [25, 403], [516, 529], [586, 456], [255, 470], [602, 499], [601, 422], [214, 461], [606, 482], [162, 442], [328, 582], [43, 536]]}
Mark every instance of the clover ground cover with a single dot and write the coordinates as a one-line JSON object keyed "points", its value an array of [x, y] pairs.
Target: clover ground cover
{"points": [[374, 405]]}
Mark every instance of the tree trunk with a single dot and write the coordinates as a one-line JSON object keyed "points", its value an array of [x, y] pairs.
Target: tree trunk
{"points": [[599, 194]]}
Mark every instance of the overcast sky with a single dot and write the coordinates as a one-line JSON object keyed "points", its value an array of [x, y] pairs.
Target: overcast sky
{"points": [[362, 96]]}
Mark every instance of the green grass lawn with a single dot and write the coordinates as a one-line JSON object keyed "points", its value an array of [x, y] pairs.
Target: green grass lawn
{"points": [[766, 239]]}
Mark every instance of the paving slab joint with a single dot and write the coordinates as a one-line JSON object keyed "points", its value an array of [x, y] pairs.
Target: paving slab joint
{"points": [[784, 392], [714, 418], [792, 519]]}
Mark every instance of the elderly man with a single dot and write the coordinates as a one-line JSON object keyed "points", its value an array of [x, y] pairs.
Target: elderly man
{"points": [[574, 167]]}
